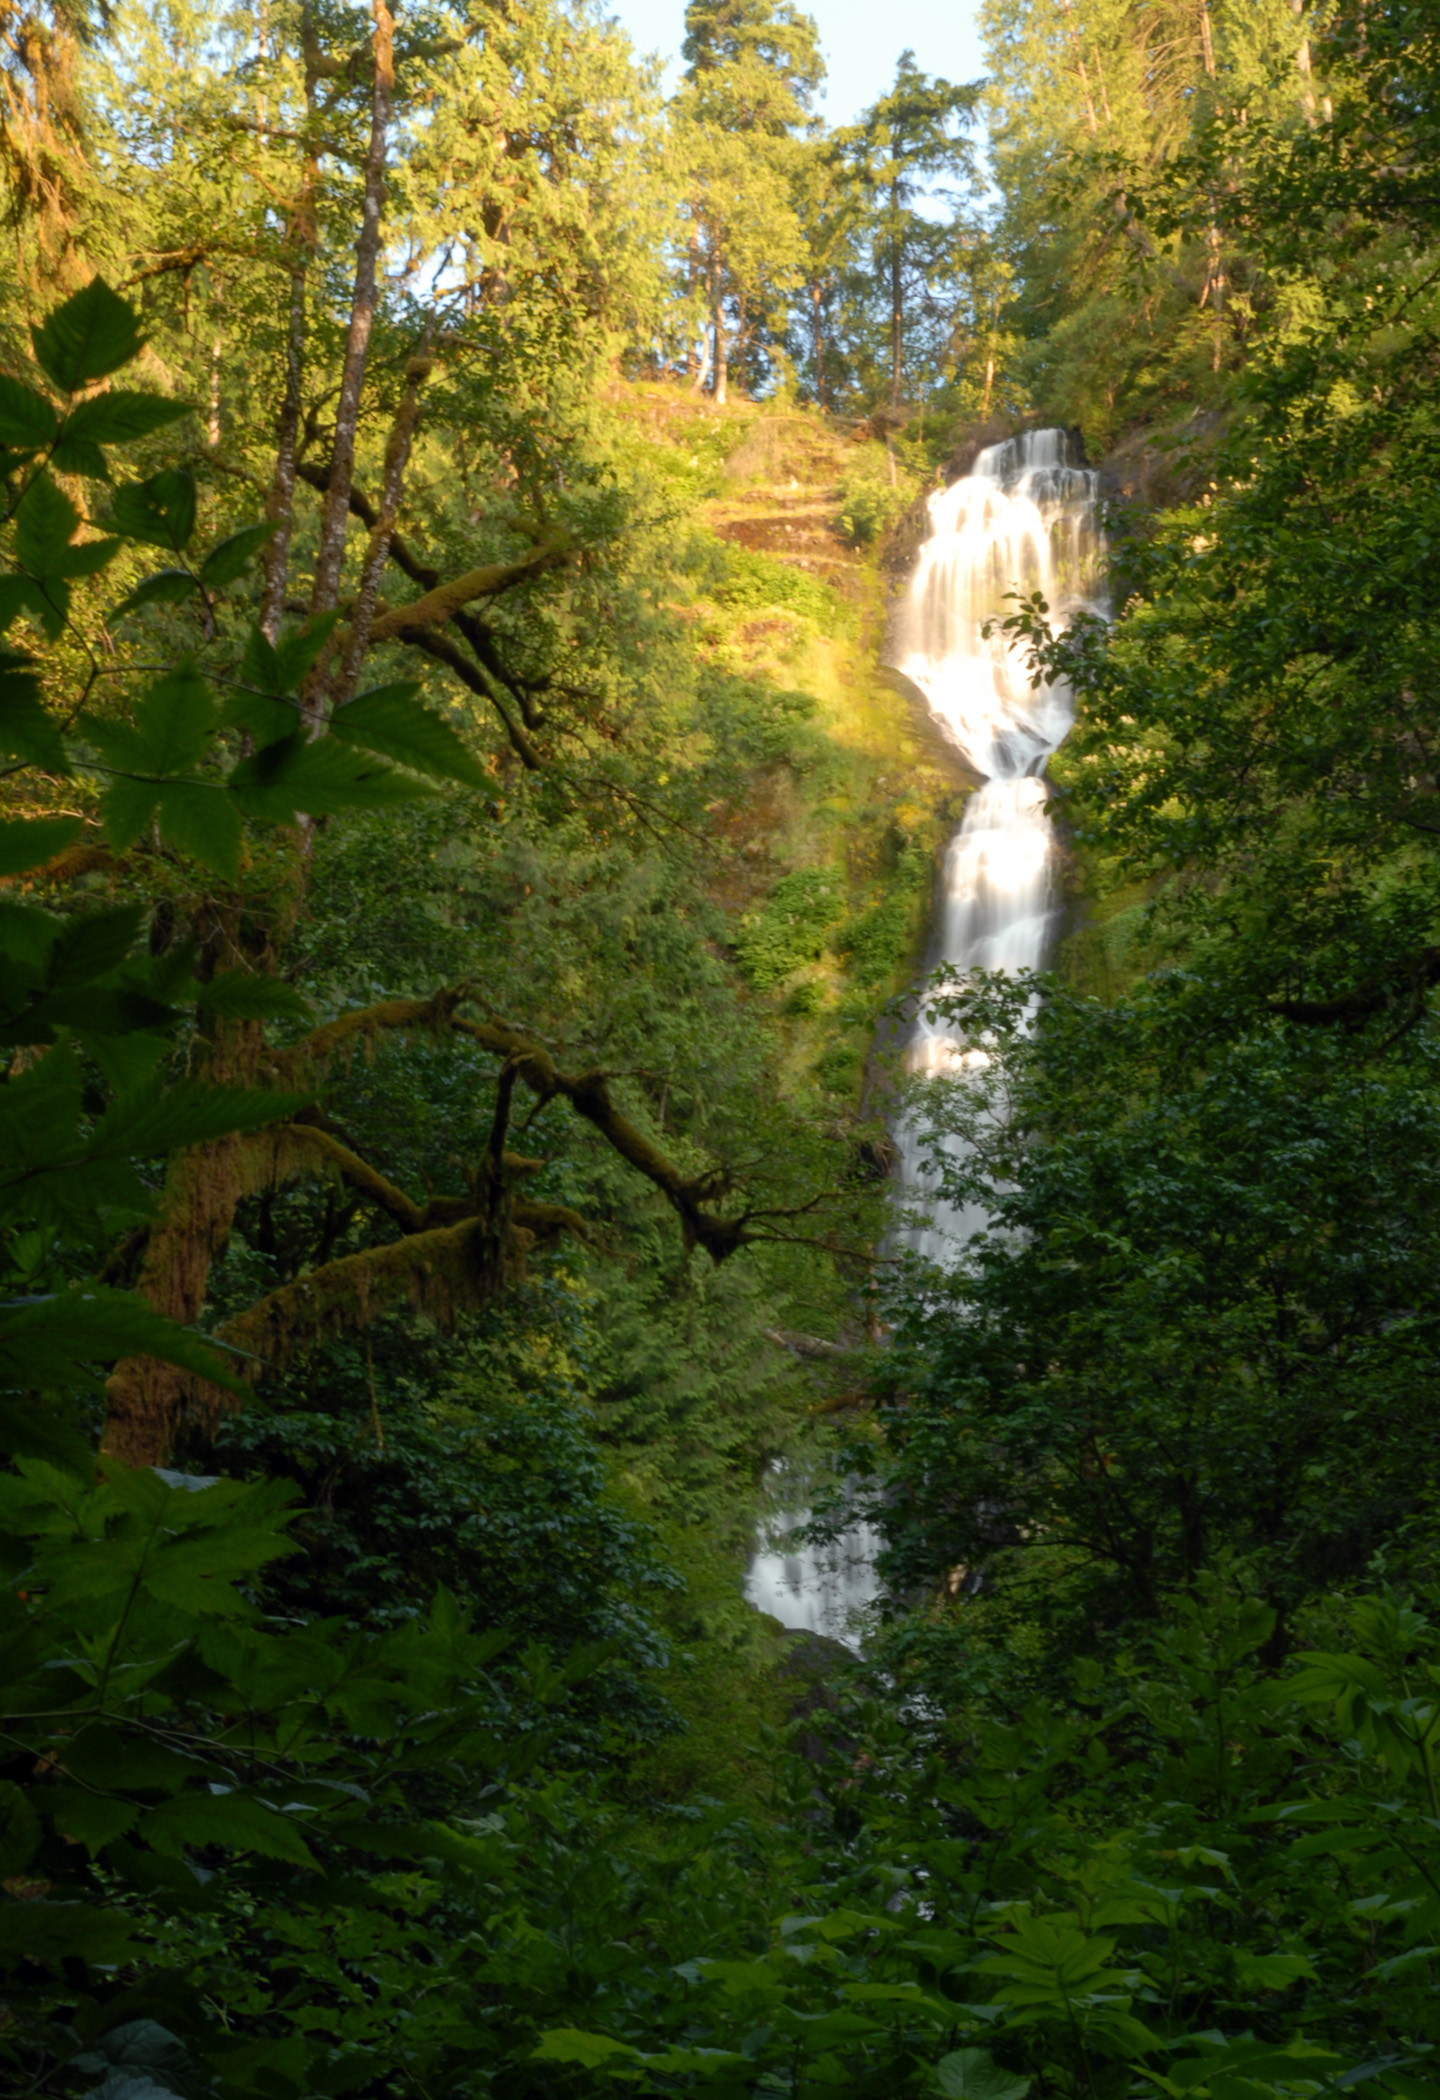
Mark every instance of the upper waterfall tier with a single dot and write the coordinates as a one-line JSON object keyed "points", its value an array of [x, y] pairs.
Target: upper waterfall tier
{"points": [[1022, 520]]}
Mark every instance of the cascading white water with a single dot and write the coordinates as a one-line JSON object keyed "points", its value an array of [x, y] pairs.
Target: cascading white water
{"points": [[813, 1588], [1023, 519]]}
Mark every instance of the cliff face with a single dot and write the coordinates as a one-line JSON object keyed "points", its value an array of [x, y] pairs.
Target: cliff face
{"points": [[827, 868]]}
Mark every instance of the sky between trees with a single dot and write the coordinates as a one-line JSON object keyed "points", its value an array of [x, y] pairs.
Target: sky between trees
{"points": [[861, 43]]}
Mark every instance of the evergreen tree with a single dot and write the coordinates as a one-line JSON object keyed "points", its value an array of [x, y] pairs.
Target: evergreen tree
{"points": [[752, 68], [910, 145]]}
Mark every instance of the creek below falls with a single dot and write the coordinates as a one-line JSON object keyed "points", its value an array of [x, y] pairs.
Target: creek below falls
{"points": [[1024, 519]]}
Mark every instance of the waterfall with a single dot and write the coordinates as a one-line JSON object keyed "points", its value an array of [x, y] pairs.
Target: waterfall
{"points": [[811, 1588], [1023, 519]]}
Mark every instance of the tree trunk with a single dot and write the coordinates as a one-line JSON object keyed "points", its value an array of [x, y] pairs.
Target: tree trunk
{"points": [[897, 312], [147, 1400], [693, 269], [1302, 64], [330, 556], [817, 339], [212, 428], [1092, 126], [280, 503], [717, 323], [397, 458]]}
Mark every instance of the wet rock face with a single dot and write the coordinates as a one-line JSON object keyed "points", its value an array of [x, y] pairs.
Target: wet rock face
{"points": [[810, 1664]]}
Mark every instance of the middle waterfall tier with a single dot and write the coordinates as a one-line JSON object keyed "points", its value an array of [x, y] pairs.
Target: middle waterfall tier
{"points": [[1023, 520]]}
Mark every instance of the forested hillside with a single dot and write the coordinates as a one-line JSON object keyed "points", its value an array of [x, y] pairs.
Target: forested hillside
{"points": [[465, 874]]}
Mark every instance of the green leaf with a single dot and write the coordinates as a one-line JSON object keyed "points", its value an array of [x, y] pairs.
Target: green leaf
{"points": [[230, 558], [45, 524], [80, 455], [126, 807], [164, 1119], [973, 2074], [176, 717], [56, 1932], [121, 416], [296, 653], [65, 1341], [27, 421], [90, 336], [242, 995], [203, 821], [92, 1819], [279, 671], [165, 587], [571, 2045], [233, 1819], [27, 731], [19, 1829], [160, 511], [388, 719], [91, 944], [21, 595], [320, 778], [1271, 1972], [260, 667]]}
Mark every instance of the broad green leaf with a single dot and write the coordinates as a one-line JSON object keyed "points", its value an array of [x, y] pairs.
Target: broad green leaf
{"points": [[165, 587], [1271, 1972], [973, 2074], [233, 1819], [230, 558], [90, 1011], [244, 995], [390, 720], [28, 842], [201, 819], [296, 653], [160, 511], [260, 667], [45, 524], [56, 1932], [319, 778], [27, 420], [170, 728], [105, 1756], [78, 454], [91, 335], [572, 2045], [126, 807], [279, 670], [165, 1119], [19, 1829], [64, 1341], [93, 943], [20, 595], [176, 717], [121, 416], [93, 1818]]}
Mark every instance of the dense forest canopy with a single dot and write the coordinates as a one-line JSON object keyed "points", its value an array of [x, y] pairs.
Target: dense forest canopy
{"points": [[464, 876]]}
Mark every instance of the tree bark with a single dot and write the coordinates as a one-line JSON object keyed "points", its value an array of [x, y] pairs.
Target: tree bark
{"points": [[397, 458], [717, 321], [280, 503], [817, 339], [897, 311], [330, 556]]}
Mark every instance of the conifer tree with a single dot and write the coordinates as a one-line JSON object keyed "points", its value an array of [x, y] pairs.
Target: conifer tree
{"points": [[909, 143], [752, 69]]}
